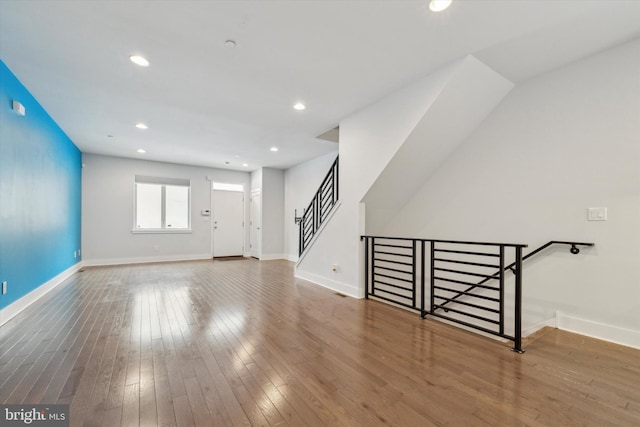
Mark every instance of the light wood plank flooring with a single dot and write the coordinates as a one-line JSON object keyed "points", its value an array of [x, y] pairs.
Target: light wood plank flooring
{"points": [[243, 343]]}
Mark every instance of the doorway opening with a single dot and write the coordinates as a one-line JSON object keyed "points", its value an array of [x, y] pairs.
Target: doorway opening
{"points": [[227, 225]]}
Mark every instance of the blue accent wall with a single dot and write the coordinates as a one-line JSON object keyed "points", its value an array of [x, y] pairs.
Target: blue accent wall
{"points": [[40, 179]]}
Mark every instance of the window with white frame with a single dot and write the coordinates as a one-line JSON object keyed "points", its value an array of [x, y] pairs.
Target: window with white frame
{"points": [[162, 204]]}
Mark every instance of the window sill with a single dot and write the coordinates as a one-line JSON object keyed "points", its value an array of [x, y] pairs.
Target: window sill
{"points": [[161, 231]]}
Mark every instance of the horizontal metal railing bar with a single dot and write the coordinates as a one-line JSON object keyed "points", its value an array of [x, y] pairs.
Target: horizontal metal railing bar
{"points": [[380, 282], [393, 293], [468, 273], [326, 208], [394, 278], [496, 275], [393, 253], [393, 262], [394, 301], [326, 198], [327, 188], [467, 252], [477, 264], [460, 282], [391, 246], [469, 325], [326, 204], [442, 288], [462, 313], [479, 307], [394, 269], [329, 175], [460, 242]]}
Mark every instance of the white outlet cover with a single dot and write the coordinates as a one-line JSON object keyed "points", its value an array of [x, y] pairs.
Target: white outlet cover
{"points": [[597, 214]]}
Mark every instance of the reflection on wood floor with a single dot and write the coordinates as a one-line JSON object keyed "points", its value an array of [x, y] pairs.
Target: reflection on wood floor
{"points": [[212, 343]]}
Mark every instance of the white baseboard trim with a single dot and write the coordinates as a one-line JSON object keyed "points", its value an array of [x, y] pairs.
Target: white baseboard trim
{"points": [[529, 330], [614, 334], [145, 260], [10, 311], [334, 285], [292, 258], [269, 257]]}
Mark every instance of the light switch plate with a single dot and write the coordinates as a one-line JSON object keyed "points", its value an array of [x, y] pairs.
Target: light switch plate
{"points": [[597, 214]]}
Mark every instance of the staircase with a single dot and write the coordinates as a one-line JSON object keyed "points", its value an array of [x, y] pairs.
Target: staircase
{"points": [[319, 209]]}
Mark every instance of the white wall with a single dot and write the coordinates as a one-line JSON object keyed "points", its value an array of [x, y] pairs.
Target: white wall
{"points": [[272, 213], [368, 140], [470, 93], [270, 182], [300, 185], [558, 144], [107, 211]]}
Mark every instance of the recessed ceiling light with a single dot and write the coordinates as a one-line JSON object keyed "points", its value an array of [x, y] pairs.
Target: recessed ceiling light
{"points": [[245, 165], [140, 150], [109, 136], [139, 60], [274, 149], [237, 156], [142, 126], [230, 44], [299, 106], [439, 5]]}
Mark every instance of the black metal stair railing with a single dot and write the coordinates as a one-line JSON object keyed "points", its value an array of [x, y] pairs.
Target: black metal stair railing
{"points": [[467, 280], [319, 208], [574, 250]]}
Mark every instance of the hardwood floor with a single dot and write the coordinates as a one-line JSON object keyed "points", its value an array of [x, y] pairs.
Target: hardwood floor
{"points": [[240, 343]]}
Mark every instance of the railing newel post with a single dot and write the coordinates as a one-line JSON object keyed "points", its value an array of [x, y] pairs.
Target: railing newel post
{"points": [[501, 297], [366, 268], [422, 262], [518, 302], [414, 283], [432, 298]]}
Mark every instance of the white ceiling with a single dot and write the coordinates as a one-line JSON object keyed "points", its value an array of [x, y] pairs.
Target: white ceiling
{"points": [[207, 104]]}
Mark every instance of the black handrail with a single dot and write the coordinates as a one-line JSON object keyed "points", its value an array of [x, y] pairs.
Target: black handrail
{"points": [[574, 250], [318, 210]]}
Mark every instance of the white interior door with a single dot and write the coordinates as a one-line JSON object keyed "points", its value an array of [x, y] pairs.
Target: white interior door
{"points": [[228, 223], [255, 228]]}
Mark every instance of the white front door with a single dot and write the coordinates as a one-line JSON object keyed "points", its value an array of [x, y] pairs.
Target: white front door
{"points": [[228, 223], [255, 232]]}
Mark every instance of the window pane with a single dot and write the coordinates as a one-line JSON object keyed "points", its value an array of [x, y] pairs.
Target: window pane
{"points": [[148, 206], [177, 201], [227, 187]]}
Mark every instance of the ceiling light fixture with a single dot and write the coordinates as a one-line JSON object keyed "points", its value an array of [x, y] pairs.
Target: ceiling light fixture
{"points": [[141, 126], [299, 106], [274, 149], [141, 151], [230, 44], [139, 60], [245, 165], [439, 5]]}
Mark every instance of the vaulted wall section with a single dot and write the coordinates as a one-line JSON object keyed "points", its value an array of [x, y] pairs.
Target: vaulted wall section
{"points": [[470, 93]]}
